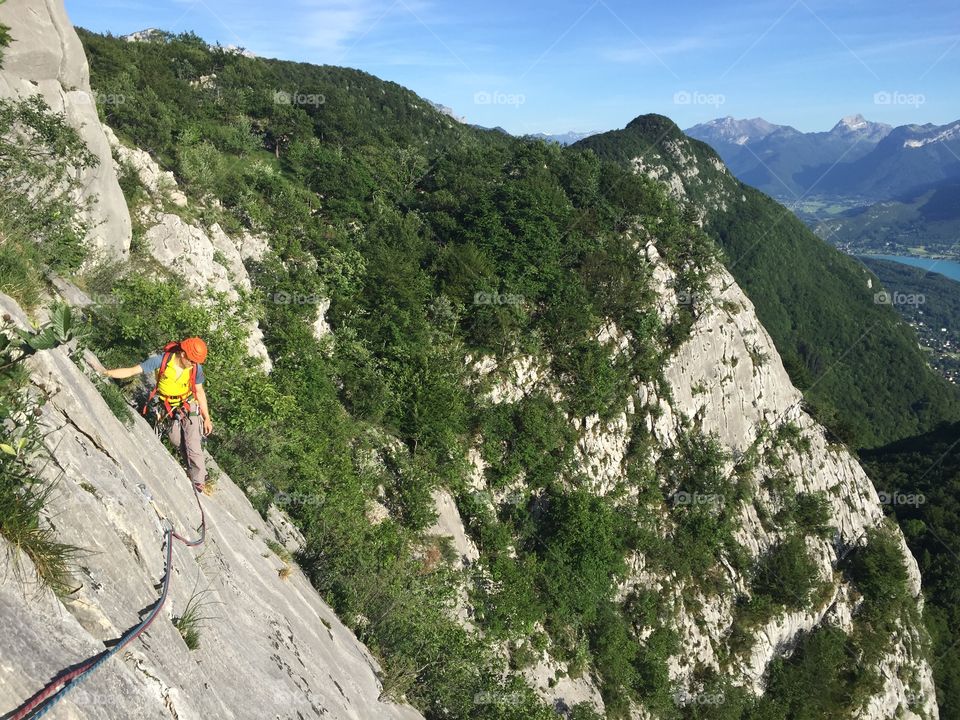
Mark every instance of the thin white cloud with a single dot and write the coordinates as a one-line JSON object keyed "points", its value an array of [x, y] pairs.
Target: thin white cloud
{"points": [[637, 53], [330, 25], [339, 31], [900, 44]]}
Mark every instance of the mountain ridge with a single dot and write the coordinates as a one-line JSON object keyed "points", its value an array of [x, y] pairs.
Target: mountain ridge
{"points": [[774, 160], [695, 175]]}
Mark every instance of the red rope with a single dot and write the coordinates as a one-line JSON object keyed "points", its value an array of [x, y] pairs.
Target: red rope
{"points": [[57, 688]]}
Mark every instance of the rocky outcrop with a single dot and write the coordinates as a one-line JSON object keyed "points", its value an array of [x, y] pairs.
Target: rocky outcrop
{"points": [[205, 257], [551, 680], [729, 377], [449, 524], [727, 381], [46, 58], [269, 646], [160, 184], [679, 172], [208, 260]]}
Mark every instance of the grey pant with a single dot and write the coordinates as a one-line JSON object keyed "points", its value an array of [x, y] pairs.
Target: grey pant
{"points": [[186, 434]]}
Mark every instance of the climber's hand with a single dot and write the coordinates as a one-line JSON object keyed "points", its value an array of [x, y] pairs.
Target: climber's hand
{"points": [[94, 363], [207, 426]]}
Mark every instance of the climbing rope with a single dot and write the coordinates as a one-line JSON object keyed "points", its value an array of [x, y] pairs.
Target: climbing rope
{"points": [[41, 703]]}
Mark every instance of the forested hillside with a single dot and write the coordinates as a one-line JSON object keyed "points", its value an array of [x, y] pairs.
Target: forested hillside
{"points": [[923, 221], [858, 364], [432, 241], [920, 479], [531, 344], [930, 302]]}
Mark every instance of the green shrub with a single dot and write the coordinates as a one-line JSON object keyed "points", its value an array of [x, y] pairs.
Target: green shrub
{"points": [[615, 653], [815, 681], [787, 574], [584, 711], [23, 496], [811, 513], [877, 570], [190, 622], [41, 157], [531, 436], [703, 505], [580, 543], [115, 400]]}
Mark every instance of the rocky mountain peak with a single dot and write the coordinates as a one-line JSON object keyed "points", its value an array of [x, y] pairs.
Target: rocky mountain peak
{"points": [[731, 130], [857, 125]]}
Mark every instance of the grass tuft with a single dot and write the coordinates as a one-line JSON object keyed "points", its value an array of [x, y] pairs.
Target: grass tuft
{"points": [[191, 621], [279, 550], [21, 525]]}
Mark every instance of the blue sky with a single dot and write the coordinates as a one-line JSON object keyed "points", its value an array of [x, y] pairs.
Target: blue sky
{"points": [[596, 64]]}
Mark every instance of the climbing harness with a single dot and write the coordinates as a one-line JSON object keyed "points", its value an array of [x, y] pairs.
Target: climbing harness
{"points": [[41, 703], [161, 421], [172, 402]]}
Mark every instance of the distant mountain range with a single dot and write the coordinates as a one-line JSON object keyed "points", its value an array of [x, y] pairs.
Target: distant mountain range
{"points": [[567, 138], [908, 159], [777, 159], [864, 186], [857, 158]]}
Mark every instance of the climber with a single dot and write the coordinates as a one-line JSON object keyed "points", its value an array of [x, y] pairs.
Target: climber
{"points": [[178, 372]]}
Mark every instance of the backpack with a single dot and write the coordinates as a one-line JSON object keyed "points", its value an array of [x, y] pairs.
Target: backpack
{"points": [[183, 403]]}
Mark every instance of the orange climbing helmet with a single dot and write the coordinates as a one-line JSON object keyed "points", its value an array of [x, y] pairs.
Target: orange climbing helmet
{"points": [[195, 349]]}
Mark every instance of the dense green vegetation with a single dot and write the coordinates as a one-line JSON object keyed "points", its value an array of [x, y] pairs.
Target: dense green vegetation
{"points": [[925, 220], [920, 479], [859, 367], [434, 241], [23, 494], [41, 227]]}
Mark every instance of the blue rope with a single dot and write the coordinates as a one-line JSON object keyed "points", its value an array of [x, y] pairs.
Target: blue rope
{"points": [[131, 634], [44, 706]]}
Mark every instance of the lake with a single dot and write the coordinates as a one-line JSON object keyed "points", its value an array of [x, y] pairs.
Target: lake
{"points": [[950, 268]]}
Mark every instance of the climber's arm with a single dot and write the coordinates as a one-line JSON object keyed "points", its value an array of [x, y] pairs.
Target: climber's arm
{"points": [[123, 373]]}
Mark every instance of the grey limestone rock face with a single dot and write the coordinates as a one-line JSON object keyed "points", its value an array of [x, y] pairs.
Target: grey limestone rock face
{"points": [[728, 380], [270, 648], [46, 58]]}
